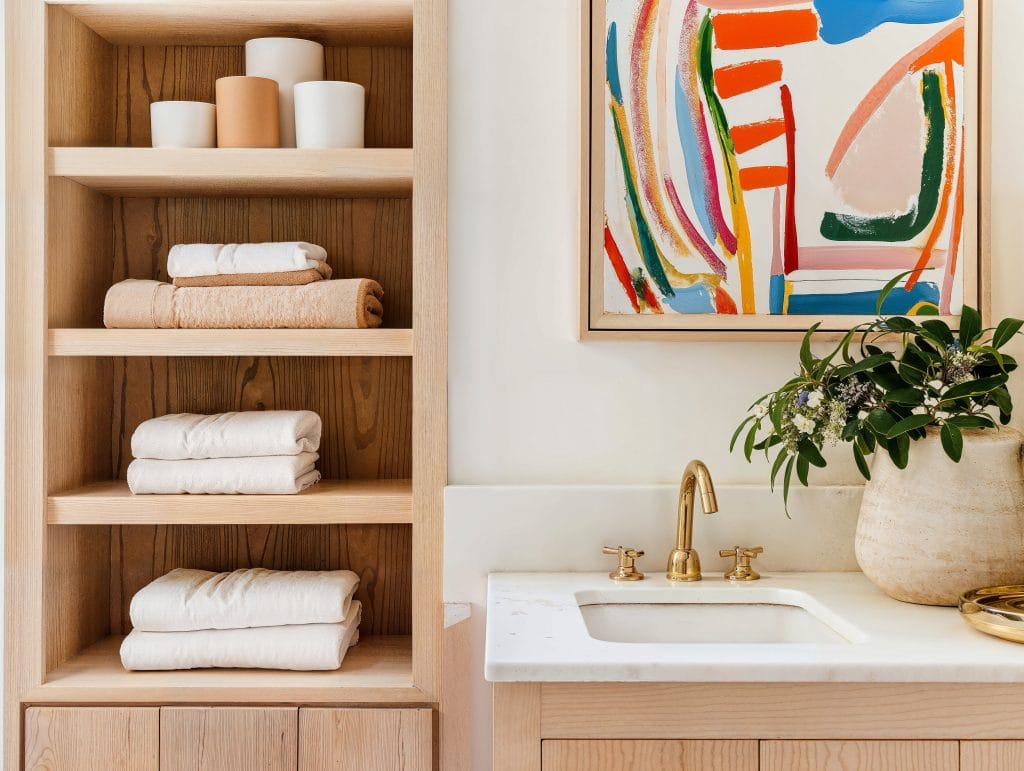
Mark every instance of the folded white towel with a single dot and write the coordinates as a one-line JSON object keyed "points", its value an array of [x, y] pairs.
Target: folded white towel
{"points": [[306, 647], [228, 435], [190, 260], [187, 600], [270, 475]]}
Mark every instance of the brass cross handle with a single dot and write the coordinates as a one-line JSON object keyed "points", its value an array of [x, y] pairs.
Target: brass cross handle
{"points": [[627, 570], [741, 569]]}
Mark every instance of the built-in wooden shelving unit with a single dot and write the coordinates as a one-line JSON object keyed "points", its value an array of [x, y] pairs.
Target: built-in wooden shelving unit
{"points": [[93, 204]]}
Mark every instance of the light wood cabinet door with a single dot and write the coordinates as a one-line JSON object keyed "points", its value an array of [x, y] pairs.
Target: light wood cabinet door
{"points": [[987, 756], [221, 738], [92, 738], [366, 739], [609, 755], [859, 756]]}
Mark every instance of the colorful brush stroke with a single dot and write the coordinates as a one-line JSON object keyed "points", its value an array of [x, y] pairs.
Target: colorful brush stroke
{"points": [[784, 157]]}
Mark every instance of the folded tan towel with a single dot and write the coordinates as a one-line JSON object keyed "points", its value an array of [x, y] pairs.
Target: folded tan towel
{"points": [[288, 278], [342, 304]]}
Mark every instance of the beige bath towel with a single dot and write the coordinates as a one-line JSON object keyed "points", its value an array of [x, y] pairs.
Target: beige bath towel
{"points": [[290, 278], [254, 433], [343, 304], [269, 475]]}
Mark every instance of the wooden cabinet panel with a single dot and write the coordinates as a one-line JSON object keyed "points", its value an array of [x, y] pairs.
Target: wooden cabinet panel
{"points": [[601, 755], [366, 739], [859, 756], [218, 738], [987, 756], [92, 738]]}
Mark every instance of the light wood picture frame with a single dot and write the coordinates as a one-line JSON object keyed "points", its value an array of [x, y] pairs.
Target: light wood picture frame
{"points": [[599, 278]]}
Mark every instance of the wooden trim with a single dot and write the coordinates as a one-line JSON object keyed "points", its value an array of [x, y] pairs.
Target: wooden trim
{"points": [[456, 716], [430, 322], [984, 181], [780, 711], [517, 727]]}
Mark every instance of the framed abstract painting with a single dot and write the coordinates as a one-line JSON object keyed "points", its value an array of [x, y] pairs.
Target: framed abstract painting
{"points": [[755, 166]]}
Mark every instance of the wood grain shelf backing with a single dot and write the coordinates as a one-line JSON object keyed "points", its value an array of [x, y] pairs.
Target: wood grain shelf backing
{"points": [[378, 669], [369, 502], [145, 171], [224, 22], [231, 342]]}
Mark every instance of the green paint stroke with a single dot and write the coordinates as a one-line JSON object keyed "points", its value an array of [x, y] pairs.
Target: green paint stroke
{"points": [[893, 229], [706, 72]]}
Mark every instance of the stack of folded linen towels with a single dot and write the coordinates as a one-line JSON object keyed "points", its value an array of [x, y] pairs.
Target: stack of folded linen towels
{"points": [[245, 286], [251, 619], [270, 452]]}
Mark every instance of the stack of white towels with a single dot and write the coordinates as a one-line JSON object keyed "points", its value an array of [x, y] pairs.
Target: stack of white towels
{"points": [[251, 619], [270, 452]]}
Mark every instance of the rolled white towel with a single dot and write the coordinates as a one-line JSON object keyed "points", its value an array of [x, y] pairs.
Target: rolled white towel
{"points": [[190, 260], [270, 475], [307, 647], [187, 600], [188, 436]]}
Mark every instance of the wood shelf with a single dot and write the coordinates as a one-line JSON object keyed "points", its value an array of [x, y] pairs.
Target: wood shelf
{"points": [[146, 171], [230, 342], [232, 22], [378, 669], [374, 501]]}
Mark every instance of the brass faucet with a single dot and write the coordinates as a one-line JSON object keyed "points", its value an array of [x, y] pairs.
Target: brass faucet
{"points": [[684, 562]]}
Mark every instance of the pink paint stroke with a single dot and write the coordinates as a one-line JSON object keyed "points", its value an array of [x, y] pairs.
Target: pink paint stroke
{"points": [[712, 259], [687, 57], [897, 258]]}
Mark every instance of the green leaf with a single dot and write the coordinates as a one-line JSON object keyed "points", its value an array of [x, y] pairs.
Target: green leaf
{"points": [[862, 463], [803, 468], [748, 444], [806, 357], [938, 331], [739, 430], [777, 466], [899, 451], [881, 421], [952, 442], [907, 425], [972, 421], [787, 482], [910, 396], [842, 373], [900, 324], [1001, 396], [974, 388], [887, 290], [811, 453], [1006, 331], [869, 442], [970, 326]]}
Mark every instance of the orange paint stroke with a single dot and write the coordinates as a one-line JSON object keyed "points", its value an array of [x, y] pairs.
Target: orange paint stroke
{"points": [[767, 29], [745, 138], [947, 45], [724, 304], [619, 266], [947, 187], [737, 79], [945, 303], [762, 177]]}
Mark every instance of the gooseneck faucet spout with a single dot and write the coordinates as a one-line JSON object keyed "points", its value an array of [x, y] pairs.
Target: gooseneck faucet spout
{"points": [[684, 562]]}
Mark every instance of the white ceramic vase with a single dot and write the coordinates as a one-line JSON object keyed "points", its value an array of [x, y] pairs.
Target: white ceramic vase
{"points": [[936, 529], [329, 113], [183, 124], [288, 61]]}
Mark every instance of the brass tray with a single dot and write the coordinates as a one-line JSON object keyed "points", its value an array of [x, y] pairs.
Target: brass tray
{"points": [[996, 610]]}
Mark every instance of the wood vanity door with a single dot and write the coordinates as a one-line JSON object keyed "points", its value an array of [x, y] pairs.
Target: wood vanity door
{"points": [[986, 756], [366, 739], [612, 755], [92, 738], [218, 738], [859, 756]]}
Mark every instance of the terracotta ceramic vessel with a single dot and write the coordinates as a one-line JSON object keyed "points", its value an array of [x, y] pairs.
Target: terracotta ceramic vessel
{"points": [[930, 532], [247, 112]]}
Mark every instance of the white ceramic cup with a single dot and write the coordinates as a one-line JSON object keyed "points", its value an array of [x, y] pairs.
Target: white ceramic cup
{"points": [[288, 61], [183, 124], [329, 113]]}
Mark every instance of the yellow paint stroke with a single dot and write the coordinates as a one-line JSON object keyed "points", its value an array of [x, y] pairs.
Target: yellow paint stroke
{"points": [[786, 294]]}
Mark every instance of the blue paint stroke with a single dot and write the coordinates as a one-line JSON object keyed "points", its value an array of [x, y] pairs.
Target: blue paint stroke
{"points": [[777, 295], [692, 299], [899, 302], [686, 120], [846, 20], [612, 62]]}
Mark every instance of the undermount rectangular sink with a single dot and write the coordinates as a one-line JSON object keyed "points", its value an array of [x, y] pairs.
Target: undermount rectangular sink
{"points": [[710, 617]]}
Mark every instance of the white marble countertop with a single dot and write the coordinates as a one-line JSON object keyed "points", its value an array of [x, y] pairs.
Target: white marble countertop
{"points": [[536, 633]]}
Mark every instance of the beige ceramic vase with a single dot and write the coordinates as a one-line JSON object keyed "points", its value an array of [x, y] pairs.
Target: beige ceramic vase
{"points": [[930, 532]]}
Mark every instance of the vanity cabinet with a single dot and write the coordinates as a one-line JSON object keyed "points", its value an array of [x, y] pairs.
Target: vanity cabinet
{"points": [[366, 739], [92, 738], [649, 755], [859, 756], [215, 738]]}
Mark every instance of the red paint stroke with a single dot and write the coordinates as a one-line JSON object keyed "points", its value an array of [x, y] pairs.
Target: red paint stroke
{"points": [[947, 187], [650, 299], [737, 79], [745, 138], [958, 229], [724, 304], [947, 45], [791, 259], [767, 29], [619, 266], [866, 257], [713, 260], [762, 177]]}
